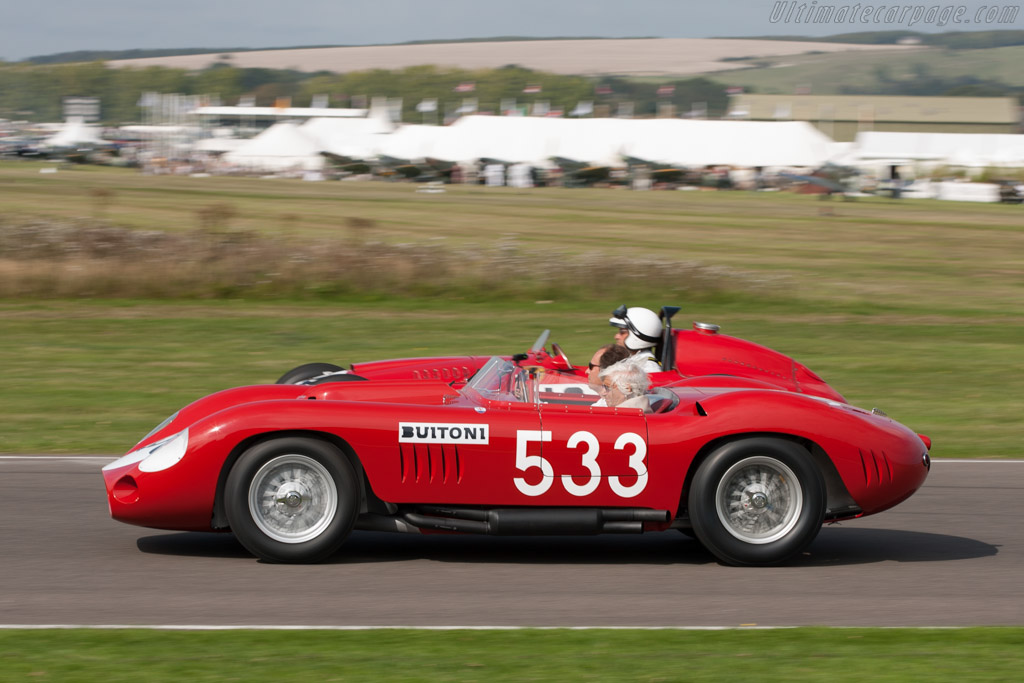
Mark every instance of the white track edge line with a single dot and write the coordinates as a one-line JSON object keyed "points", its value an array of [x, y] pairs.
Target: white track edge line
{"points": [[262, 627]]}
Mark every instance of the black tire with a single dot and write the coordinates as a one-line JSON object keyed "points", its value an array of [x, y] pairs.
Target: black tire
{"points": [[292, 500], [307, 371], [329, 377], [757, 501]]}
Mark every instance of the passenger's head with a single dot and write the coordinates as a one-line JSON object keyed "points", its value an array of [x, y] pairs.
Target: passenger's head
{"points": [[624, 380], [638, 328], [604, 357]]}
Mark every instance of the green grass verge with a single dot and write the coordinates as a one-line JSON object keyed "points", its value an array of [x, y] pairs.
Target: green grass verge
{"points": [[806, 654], [93, 377]]}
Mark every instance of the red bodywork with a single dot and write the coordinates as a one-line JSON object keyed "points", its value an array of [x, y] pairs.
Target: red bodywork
{"points": [[549, 453]]}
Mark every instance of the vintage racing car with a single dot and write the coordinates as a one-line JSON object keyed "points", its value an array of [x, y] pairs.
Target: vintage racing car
{"points": [[751, 462]]}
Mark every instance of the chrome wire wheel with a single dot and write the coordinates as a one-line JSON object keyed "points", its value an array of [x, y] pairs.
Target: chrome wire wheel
{"points": [[293, 498], [759, 500]]}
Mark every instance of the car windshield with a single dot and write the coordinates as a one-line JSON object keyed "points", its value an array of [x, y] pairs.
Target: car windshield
{"points": [[499, 380], [502, 380]]}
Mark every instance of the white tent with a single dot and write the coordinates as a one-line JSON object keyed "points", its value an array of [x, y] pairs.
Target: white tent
{"points": [[678, 142], [842, 153], [945, 149], [512, 139], [75, 133], [357, 138], [600, 142], [281, 147], [414, 141], [536, 140], [748, 144], [966, 156]]}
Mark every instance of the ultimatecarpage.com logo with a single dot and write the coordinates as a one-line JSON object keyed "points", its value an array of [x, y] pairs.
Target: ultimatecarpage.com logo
{"points": [[796, 12]]}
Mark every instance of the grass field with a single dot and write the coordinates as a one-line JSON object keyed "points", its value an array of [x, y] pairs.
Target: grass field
{"points": [[915, 307], [977, 654]]}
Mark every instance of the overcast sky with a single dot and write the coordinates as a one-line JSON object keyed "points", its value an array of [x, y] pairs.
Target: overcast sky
{"points": [[40, 27]]}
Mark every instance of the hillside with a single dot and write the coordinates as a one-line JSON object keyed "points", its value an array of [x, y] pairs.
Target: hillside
{"points": [[928, 71], [630, 57]]}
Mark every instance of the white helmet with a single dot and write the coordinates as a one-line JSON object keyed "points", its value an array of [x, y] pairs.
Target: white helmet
{"points": [[643, 324]]}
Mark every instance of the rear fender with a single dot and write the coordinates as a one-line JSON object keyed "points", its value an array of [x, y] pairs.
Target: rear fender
{"points": [[839, 501], [876, 461]]}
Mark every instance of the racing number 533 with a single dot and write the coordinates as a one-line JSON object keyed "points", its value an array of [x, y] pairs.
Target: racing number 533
{"points": [[588, 458]]}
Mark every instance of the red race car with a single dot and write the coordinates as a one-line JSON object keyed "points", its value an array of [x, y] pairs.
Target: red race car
{"points": [[751, 457]]}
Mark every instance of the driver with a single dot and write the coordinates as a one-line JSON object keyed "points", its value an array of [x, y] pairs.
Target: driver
{"points": [[639, 330], [625, 383]]}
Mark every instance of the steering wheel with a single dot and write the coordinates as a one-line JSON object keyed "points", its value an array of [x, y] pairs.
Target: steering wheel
{"points": [[559, 355], [521, 385]]}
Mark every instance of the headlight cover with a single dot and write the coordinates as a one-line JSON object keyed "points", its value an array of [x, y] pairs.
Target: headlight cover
{"points": [[157, 456], [167, 454]]}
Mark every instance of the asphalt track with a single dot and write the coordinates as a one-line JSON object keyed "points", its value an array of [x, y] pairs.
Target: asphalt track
{"points": [[949, 556]]}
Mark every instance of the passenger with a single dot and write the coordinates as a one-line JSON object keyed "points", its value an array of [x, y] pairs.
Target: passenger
{"points": [[639, 331], [624, 385], [605, 357]]}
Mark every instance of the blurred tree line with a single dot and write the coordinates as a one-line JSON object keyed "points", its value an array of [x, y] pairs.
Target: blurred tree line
{"points": [[922, 80], [34, 92]]}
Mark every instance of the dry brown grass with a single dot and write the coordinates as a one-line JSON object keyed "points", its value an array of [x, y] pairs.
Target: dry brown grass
{"points": [[87, 258], [921, 256]]}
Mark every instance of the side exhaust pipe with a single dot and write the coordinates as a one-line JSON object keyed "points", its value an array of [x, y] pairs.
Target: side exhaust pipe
{"points": [[535, 521]]}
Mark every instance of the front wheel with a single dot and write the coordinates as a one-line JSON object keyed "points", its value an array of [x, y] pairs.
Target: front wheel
{"points": [[292, 500], [757, 501]]}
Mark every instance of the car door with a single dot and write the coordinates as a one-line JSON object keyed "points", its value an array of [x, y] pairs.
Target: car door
{"points": [[462, 454]]}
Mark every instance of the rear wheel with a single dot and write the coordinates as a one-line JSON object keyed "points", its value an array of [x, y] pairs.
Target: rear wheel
{"points": [[308, 371], [292, 500], [757, 501]]}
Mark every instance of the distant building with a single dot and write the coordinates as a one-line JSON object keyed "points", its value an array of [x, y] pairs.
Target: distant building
{"points": [[264, 117], [841, 117]]}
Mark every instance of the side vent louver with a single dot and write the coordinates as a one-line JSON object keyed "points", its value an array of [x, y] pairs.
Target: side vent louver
{"points": [[876, 467], [428, 464]]}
